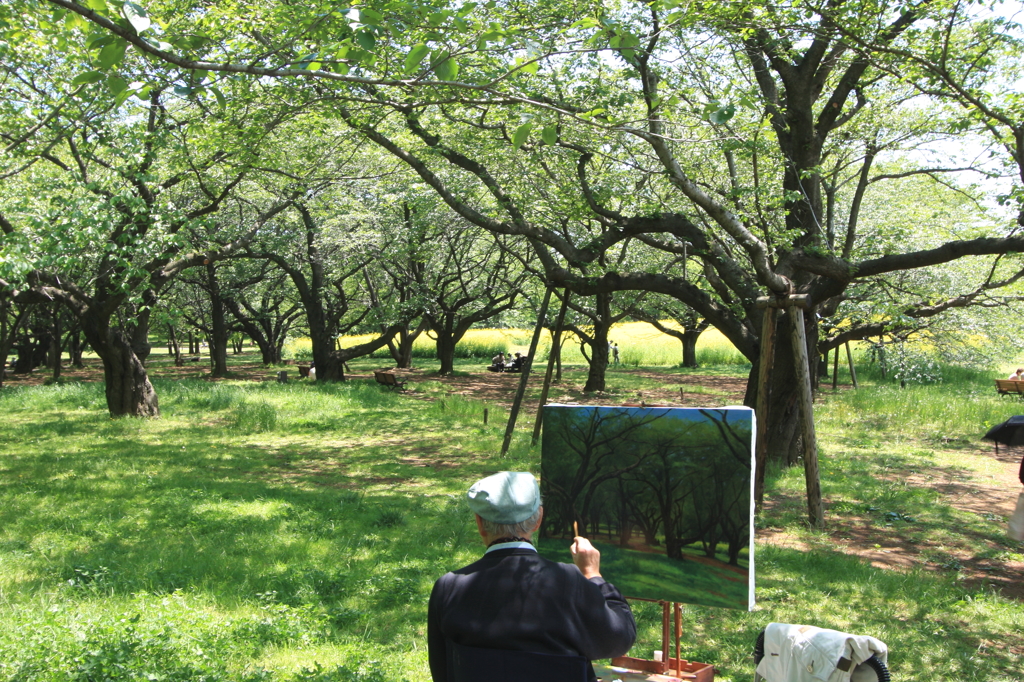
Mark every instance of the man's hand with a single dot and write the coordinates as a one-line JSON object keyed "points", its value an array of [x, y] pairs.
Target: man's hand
{"points": [[586, 557]]}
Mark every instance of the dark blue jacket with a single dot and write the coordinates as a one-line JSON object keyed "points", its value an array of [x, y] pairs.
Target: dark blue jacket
{"points": [[515, 599]]}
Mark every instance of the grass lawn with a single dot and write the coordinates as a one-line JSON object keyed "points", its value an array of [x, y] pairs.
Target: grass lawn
{"points": [[262, 531]]}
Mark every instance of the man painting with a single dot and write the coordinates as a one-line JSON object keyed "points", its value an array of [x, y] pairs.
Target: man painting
{"points": [[513, 599]]}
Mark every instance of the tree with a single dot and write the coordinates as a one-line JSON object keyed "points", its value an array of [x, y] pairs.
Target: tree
{"points": [[764, 92], [117, 184]]}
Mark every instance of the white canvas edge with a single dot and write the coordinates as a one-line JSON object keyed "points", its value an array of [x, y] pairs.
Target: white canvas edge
{"points": [[753, 478]]}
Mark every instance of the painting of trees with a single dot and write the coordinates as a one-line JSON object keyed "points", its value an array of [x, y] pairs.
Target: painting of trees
{"points": [[665, 493]]}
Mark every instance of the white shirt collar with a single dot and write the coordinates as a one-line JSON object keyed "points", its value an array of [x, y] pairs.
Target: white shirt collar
{"points": [[510, 545]]}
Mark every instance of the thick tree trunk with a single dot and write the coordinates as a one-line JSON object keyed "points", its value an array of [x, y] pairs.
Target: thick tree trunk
{"points": [[689, 341], [329, 366], [783, 434], [127, 386], [446, 341], [599, 345]]}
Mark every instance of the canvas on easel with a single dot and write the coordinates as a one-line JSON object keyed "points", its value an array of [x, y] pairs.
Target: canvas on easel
{"points": [[666, 495]]}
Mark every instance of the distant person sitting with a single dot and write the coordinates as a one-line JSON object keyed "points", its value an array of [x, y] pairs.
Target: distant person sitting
{"points": [[1018, 375], [517, 363], [497, 363]]}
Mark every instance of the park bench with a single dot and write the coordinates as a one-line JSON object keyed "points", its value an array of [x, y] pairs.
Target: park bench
{"points": [[390, 380], [1010, 387]]}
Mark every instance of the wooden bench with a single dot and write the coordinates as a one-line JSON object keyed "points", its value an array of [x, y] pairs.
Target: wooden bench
{"points": [[1010, 387], [390, 380]]}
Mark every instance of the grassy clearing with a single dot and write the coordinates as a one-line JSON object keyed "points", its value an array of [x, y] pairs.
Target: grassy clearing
{"points": [[260, 531], [640, 345]]}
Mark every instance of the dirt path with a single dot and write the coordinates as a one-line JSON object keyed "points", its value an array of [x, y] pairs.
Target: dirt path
{"points": [[975, 558]]}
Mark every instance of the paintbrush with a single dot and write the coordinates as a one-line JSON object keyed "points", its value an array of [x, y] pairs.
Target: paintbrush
{"points": [[575, 530]]}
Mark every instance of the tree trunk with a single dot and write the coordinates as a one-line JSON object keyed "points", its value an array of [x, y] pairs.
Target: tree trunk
{"points": [[8, 334], [783, 433], [75, 349], [689, 340], [401, 352], [23, 364], [219, 328], [599, 345], [127, 386], [172, 342], [55, 346], [329, 366], [261, 332], [446, 347]]}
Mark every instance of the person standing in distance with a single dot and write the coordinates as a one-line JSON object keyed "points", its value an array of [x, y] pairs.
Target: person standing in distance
{"points": [[514, 599]]}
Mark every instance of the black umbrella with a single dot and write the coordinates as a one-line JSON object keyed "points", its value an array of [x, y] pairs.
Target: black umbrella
{"points": [[1010, 432]]}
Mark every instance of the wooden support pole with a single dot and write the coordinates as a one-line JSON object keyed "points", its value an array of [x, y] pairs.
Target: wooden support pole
{"points": [[679, 635], [525, 375], [763, 374], [802, 301], [849, 358], [555, 341], [835, 369], [815, 512]]}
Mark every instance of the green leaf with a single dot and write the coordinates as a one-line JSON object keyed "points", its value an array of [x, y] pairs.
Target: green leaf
{"points": [[182, 90], [98, 40], [549, 134], [415, 56], [445, 67], [521, 134], [722, 114], [117, 85], [87, 77], [97, 5], [530, 67], [366, 40], [314, 66], [136, 16], [220, 97], [112, 54], [369, 16]]}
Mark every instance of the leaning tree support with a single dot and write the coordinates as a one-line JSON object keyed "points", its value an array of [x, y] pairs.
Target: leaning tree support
{"points": [[525, 373], [552, 356], [795, 304]]}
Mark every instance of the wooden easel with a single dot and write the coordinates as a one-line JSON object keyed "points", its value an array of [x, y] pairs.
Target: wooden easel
{"points": [[668, 665], [795, 304]]}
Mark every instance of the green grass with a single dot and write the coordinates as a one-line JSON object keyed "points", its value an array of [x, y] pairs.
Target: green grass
{"points": [[655, 576], [264, 531]]}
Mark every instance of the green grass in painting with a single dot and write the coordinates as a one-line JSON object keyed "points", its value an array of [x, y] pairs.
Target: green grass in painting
{"points": [[655, 576], [219, 543]]}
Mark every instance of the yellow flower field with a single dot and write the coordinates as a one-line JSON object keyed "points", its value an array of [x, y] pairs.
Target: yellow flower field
{"points": [[639, 344]]}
